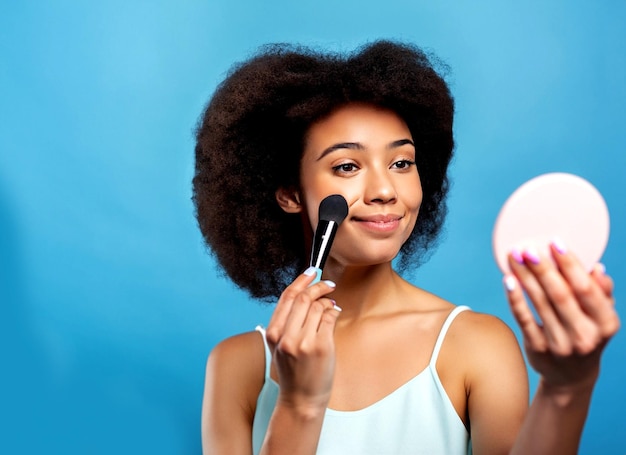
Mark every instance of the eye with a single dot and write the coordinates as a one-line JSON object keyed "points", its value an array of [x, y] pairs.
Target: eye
{"points": [[345, 168], [403, 164]]}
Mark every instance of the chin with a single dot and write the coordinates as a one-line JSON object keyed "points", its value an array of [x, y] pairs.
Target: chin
{"points": [[367, 259]]}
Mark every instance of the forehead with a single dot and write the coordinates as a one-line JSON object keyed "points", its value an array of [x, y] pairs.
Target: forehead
{"points": [[358, 122]]}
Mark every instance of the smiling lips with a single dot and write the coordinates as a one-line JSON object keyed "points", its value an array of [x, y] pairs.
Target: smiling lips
{"points": [[379, 223]]}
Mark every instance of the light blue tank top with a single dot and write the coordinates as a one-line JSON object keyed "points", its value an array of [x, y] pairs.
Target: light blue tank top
{"points": [[416, 418]]}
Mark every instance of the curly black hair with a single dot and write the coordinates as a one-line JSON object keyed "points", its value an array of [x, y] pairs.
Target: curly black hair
{"points": [[250, 139]]}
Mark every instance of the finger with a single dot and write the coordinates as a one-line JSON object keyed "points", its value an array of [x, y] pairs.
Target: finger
{"points": [[328, 322], [556, 335], [605, 282], [285, 304], [312, 336], [306, 301], [314, 316], [534, 338], [299, 332], [589, 294], [583, 334]]}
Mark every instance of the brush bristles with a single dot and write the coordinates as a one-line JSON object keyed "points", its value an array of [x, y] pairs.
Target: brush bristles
{"points": [[333, 208]]}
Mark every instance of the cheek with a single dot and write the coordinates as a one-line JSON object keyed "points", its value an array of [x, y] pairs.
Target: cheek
{"points": [[314, 198], [315, 188], [412, 193]]}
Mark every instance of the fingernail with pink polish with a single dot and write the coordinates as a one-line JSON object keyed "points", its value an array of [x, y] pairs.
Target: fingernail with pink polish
{"points": [[532, 255], [558, 245], [335, 306], [517, 256]]}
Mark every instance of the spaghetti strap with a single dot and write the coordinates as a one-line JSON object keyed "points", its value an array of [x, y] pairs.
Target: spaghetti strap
{"points": [[268, 354], [443, 331]]}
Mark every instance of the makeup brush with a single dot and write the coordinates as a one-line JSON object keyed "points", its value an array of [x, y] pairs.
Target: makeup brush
{"points": [[333, 210]]}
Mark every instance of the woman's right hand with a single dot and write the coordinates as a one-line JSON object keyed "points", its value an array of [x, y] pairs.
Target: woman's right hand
{"points": [[300, 337]]}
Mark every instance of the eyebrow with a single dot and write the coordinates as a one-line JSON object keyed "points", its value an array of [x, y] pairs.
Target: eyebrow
{"points": [[359, 146]]}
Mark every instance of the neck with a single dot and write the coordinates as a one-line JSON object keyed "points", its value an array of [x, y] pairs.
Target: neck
{"points": [[367, 290]]}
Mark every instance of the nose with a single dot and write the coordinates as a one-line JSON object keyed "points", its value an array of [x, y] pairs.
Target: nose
{"points": [[380, 188]]}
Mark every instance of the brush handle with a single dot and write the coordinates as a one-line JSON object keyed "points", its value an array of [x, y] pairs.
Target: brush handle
{"points": [[322, 241], [318, 277]]}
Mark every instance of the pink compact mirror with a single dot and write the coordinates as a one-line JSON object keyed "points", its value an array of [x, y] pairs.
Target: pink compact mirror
{"points": [[553, 205]]}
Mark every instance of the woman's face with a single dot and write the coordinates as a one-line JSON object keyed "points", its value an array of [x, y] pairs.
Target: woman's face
{"points": [[366, 154]]}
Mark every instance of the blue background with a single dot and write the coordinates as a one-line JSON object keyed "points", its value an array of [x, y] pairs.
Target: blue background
{"points": [[110, 302]]}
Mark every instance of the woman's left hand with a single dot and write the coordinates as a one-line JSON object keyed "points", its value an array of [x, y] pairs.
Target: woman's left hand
{"points": [[576, 311]]}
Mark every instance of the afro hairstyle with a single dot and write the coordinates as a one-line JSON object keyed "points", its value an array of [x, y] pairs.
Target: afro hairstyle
{"points": [[250, 139]]}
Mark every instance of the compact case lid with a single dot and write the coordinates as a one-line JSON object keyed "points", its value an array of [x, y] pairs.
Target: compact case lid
{"points": [[548, 206]]}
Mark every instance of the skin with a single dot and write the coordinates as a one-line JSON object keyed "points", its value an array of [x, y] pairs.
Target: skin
{"points": [[349, 359]]}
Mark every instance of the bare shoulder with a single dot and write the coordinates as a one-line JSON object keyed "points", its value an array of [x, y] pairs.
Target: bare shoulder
{"points": [[238, 361], [483, 338], [492, 360], [483, 326], [470, 330], [479, 346], [234, 378], [248, 344], [494, 376], [483, 372]]}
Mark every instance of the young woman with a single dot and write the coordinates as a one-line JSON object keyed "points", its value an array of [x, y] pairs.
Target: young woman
{"points": [[363, 361]]}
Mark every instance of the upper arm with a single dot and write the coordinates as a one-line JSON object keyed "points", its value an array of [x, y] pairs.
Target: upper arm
{"points": [[234, 377], [497, 383]]}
